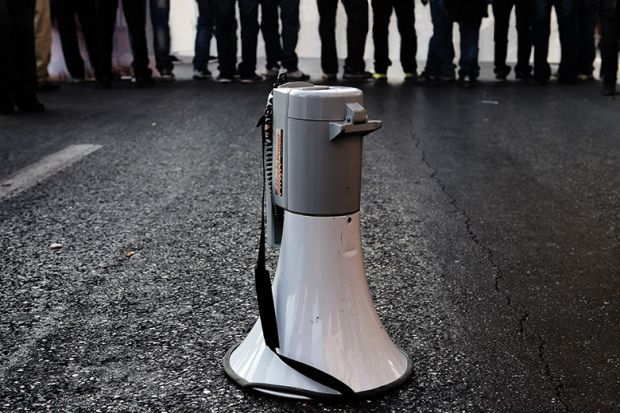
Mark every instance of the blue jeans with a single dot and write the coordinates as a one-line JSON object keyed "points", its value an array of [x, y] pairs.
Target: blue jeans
{"points": [[226, 36], [441, 50], [280, 49], [204, 32], [160, 14], [567, 22]]}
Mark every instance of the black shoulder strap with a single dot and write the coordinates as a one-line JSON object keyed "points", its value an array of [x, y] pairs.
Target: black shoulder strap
{"points": [[264, 294]]}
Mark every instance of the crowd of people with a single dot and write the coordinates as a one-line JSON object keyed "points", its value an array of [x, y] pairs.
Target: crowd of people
{"points": [[25, 41]]}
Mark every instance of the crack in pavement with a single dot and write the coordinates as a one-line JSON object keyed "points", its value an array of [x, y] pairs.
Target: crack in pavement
{"points": [[497, 274]]}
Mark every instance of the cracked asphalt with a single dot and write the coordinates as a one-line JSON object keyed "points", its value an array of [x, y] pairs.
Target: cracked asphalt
{"points": [[491, 229]]}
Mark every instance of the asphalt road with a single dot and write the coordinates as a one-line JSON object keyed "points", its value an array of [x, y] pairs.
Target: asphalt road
{"points": [[491, 226]]}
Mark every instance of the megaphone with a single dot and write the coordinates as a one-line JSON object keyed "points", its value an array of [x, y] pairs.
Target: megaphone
{"points": [[318, 335]]}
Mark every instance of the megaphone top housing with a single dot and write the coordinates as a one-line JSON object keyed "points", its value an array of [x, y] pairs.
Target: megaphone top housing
{"points": [[317, 151]]}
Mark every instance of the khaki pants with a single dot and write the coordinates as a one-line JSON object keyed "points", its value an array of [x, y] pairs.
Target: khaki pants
{"points": [[43, 38]]}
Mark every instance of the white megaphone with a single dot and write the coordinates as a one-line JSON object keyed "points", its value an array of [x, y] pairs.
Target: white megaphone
{"points": [[319, 335]]}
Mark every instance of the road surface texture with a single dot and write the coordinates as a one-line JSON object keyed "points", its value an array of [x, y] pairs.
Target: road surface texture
{"points": [[491, 228]]}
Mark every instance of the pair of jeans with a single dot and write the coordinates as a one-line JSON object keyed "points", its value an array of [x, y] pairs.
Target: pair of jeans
{"points": [[65, 12], [135, 14], [160, 16], [280, 49], [405, 19], [18, 76], [567, 21], [357, 29], [441, 50], [204, 32], [226, 36], [501, 11], [586, 15], [610, 35]]}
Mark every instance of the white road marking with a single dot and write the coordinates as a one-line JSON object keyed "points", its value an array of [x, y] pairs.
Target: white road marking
{"points": [[43, 169]]}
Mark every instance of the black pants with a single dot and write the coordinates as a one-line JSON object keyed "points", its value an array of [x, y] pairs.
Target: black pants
{"points": [[280, 49], [65, 12], [405, 18], [226, 36], [18, 78], [135, 14], [610, 35], [501, 12], [587, 49], [357, 29]]}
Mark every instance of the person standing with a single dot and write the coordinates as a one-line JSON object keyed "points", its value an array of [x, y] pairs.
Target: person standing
{"points": [[501, 11], [586, 20], [160, 18], [135, 14], [18, 69], [66, 12], [439, 64], [610, 36], [43, 44], [226, 36], [202, 45], [280, 49], [357, 29], [405, 16], [567, 22]]}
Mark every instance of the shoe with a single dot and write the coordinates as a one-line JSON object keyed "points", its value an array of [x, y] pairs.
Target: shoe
{"points": [[609, 87], [272, 72], [411, 77], [466, 81], [585, 77], [144, 79], [296, 76], [379, 77], [225, 78], [6, 106], [30, 105], [201, 74], [522, 74], [253, 78], [166, 75], [357, 75], [330, 77], [46, 86], [502, 73]]}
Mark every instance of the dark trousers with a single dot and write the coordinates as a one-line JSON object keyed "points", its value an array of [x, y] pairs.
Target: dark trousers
{"points": [[18, 78], [65, 12], [204, 32], [441, 50], [567, 21], [587, 49], [226, 36], [501, 12], [135, 14], [160, 16], [280, 49], [357, 29], [405, 18], [610, 35]]}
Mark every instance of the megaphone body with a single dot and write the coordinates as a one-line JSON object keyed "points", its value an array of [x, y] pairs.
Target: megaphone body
{"points": [[326, 320]]}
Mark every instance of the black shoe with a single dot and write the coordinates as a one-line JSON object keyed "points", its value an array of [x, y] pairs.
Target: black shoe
{"points": [[253, 78], [103, 82], [357, 75], [6, 106], [223, 78], [296, 76], [522, 74], [609, 88], [330, 77], [144, 79], [31, 105], [502, 73], [203, 74], [466, 81], [166, 75], [565, 80]]}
